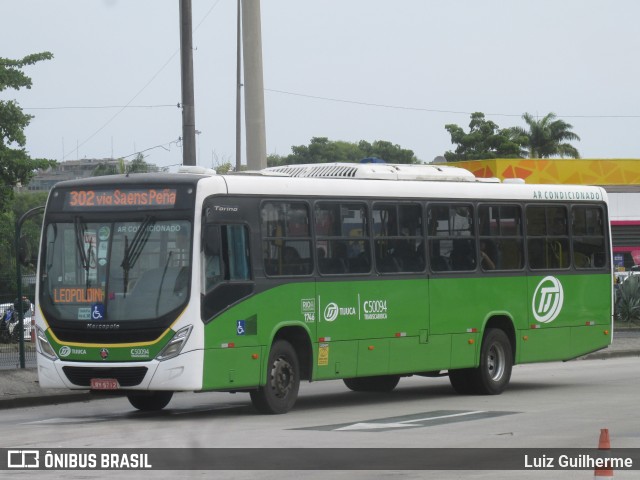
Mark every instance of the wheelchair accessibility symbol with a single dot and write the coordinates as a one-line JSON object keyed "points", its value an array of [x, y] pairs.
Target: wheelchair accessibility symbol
{"points": [[97, 311], [240, 330]]}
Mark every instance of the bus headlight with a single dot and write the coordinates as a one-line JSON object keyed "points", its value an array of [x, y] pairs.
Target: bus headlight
{"points": [[174, 347], [45, 347]]}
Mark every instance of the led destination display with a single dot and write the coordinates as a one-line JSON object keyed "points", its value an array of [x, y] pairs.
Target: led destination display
{"points": [[120, 198]]}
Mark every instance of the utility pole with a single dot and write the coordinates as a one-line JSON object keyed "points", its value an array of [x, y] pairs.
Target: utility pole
{"points": [[188, 107], [253, 85], [239, 89]]}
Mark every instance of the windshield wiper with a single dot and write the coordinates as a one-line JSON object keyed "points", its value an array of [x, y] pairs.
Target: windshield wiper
{"points": [[133, 250], [80, 228], [50, 248], [164, 273]]}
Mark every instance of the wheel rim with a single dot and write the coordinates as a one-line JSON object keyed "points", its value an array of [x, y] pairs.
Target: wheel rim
{"points": [[496, 362], [282, 375]]}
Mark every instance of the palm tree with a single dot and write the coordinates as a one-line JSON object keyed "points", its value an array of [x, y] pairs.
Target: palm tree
{"points": [[548, 136]]}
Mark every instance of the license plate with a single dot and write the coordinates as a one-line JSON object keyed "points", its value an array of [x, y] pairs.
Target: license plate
{"points": [[104, 384]]}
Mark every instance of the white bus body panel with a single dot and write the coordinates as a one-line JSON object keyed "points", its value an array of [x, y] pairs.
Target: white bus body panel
{"points": [[182, 373], [410, 189]]}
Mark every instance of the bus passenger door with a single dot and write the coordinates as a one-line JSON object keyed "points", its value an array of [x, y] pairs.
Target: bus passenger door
{"points": [[228, 320]]}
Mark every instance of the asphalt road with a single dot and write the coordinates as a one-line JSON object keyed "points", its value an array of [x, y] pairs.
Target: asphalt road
{"points": [[552, 405]]}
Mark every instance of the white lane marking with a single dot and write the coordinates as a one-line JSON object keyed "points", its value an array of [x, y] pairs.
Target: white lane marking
{"points": [[403, 424]]}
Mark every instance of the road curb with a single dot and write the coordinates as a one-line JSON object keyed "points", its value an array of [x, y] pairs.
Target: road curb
{"points": [[613, 354], [45, 399]]}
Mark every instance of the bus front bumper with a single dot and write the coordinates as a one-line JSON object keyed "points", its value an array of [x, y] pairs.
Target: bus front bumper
{"points": [[181, 373]]}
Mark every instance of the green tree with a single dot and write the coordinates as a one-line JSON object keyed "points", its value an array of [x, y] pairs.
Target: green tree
{"points": [[223, 168], [548, 136], [323, 150], [7, 256], [18, 205], [138, 165], [484, 140], [387, 151], [110, 168], [275, 160], [16, 166]]}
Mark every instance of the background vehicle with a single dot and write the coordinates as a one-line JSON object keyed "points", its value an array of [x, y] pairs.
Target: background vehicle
{"points": [[155, 283], [4, 307]]}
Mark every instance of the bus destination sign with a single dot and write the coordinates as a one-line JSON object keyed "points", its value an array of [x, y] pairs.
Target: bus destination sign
{"points": [[120, 198]]}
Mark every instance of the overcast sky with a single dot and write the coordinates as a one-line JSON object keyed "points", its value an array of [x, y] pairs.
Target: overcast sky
{"points": [[344, 69]]}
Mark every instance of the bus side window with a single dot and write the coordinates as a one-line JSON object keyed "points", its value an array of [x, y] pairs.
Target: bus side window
{"points": [[399, 243], [501, 238], [212, 266], [235, 252], [463, 256], [452, 245], [286, 239], [548, 242], [225, 255], [588, 237], [342, 234]]}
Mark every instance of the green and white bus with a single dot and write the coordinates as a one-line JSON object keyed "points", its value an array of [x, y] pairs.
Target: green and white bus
{"points": [[150, 284]]}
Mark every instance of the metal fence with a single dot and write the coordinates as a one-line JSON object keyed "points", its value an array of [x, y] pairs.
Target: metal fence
{"points": [[10, 355], [10, 339], [9, 347]]}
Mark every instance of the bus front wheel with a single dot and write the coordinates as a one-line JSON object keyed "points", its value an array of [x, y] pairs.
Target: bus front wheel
{"points": [[150, 401], [283, 381]]}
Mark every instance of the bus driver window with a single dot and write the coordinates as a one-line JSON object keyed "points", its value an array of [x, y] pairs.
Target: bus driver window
{"points": [[213, 269]]}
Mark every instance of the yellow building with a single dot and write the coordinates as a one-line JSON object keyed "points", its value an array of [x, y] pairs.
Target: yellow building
{"points": [[559, 171]]}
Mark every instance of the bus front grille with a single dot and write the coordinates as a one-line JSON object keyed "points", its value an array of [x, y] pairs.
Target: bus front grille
{"points": [[126, 376]]}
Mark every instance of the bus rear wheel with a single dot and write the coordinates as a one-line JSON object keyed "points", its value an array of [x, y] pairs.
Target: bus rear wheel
{"points": [[496, 361], [462, 381], [492, 376], [383, 383], [283, 381], [150, 401]]}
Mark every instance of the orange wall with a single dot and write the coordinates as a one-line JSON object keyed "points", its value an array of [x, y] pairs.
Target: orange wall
{"points": [[558, 171]]}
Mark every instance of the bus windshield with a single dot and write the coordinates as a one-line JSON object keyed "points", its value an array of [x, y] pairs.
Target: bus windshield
{"points": [[115, 271]]}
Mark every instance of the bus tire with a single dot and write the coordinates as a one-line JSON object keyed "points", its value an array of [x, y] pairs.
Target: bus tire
{"points": [[283, 381], [382, 383], [151, 401], [462, 381], [496, 361]]}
